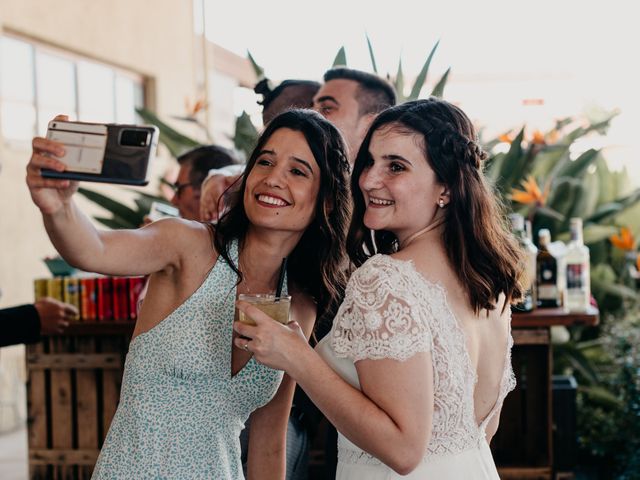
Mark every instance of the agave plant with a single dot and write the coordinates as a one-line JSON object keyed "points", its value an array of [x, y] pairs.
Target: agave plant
{"points": [[398, 81]]}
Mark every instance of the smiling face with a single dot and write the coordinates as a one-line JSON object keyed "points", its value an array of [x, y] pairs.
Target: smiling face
{"points": [[282, 188], [400, 189]]}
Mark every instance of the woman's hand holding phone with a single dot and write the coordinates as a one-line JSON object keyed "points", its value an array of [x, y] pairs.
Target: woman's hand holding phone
{"points": [[49, 195]]}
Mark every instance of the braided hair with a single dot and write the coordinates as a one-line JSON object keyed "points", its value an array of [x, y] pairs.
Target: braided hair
{"points": [[479, 247]]}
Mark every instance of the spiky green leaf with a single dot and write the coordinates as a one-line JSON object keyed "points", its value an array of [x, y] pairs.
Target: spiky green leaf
{"points": [[438, 90], [577, 167], [341, 58], [399, 83], [511, 166], [371, 55], [256, 68], [422, 76]]}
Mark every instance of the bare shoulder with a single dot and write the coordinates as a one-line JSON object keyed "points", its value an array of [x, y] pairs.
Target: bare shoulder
{"points": [[192, 239]]}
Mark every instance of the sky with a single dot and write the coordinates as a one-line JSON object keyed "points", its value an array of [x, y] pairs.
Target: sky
{"points": [[574, 55]]}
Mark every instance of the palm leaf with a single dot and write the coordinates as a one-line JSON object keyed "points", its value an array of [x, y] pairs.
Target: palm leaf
{"points": [[246, 135], [422, 76], [116, 208], [175, 142], [438, 90]]}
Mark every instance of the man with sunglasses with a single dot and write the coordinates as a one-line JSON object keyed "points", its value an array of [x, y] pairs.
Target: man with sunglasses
{"points": [[194, 167]]}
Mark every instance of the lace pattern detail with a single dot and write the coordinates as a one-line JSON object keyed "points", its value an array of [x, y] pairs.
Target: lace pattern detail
{"points": [[390, 310], [380, 316]]}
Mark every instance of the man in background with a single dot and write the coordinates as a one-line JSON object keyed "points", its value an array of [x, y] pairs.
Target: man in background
{"points": [[194, 168], [351, 99]]}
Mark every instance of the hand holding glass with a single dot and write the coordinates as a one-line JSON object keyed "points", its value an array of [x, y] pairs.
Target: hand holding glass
{"points": [[276, 307]]}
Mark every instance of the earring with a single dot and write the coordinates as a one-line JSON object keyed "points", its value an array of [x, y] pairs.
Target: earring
{"points": [[441, 203]]}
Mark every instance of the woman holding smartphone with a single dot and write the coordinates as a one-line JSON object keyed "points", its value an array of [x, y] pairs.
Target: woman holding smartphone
{"points": [[186, 392]]}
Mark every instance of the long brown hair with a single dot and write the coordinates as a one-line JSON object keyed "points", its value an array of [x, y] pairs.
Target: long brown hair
{"points": [[479, 246], [316, 264]]}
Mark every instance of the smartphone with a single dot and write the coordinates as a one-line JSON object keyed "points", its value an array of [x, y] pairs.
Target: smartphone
{"points": [[108, 153]]}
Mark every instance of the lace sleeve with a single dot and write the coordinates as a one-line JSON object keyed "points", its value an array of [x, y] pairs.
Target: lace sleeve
{"points": [[381, 316]]}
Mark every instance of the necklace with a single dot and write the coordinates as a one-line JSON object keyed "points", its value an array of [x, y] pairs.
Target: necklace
{"points": [[419, 233]]}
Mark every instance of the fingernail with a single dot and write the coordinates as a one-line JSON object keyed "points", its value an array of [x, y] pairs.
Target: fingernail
{"points": [[60, 152]]}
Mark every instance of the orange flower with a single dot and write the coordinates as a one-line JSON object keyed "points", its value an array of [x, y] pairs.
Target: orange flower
{"points": [[538, 138], [192, 110], [531, 192], [553, 136], [506, 138], [624, 241]]}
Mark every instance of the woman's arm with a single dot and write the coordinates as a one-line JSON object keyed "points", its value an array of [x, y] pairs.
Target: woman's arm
{"points": [[268, 435], [390, 418], [121, 252]]}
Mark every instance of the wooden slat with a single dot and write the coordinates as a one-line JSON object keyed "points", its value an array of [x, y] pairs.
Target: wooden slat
{"points": [[66, 361], [86, 401], [63, 457], [516, 473], [61, 407], [546, 317], [535, 336], [111, 381], [37, 408]]}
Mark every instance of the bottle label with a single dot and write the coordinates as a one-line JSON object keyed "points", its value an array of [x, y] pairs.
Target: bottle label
{"points": [[576, 276], [548, 292]]}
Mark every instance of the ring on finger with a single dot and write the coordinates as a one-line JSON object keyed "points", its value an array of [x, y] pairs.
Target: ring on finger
{"points": [[245, 347]]}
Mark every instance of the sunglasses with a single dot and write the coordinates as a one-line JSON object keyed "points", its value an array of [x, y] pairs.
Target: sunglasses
{"points": [[178, 188]]}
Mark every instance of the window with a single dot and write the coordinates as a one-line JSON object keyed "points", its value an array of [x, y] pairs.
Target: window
{"points": [[37, 83]]}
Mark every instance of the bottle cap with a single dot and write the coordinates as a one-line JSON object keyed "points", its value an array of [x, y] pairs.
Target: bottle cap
{"points": [[544, 236], [517, 222]]}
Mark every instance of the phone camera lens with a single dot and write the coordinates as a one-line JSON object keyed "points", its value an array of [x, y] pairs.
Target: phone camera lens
{"points": [[134, 138]]}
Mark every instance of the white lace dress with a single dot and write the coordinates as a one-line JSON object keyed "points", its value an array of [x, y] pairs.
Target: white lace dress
{"points": [[391, 311]]}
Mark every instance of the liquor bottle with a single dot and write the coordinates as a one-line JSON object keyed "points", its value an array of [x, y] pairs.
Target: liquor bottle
{"points": [[547, 273], [578, 291], [527, 303]]}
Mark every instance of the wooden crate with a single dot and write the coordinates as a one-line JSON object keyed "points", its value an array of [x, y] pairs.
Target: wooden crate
{"points": [[72, 394]]}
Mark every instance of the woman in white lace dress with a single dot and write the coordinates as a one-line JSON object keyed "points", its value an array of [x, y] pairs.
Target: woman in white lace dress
{"points": [[416, 367]]}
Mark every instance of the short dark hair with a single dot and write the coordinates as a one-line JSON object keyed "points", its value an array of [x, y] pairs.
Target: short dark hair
{"points": [[478, 243], [374, 92], [205, 158], [288, 94], [316, 265], [269, 95]]}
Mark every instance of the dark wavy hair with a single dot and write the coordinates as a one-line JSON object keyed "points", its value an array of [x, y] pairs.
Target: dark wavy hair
{"points": [[479, 246], [316, 265]]}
